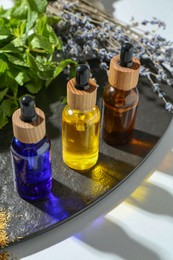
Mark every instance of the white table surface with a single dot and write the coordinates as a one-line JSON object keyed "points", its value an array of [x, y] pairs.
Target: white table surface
{"points": [[140, 228]]}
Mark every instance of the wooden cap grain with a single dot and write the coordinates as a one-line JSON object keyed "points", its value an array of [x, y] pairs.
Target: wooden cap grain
{"points": [[81, 99], [121, 77], [29, 132]]}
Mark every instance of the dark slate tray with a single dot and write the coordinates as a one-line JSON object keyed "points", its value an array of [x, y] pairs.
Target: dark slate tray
{"points": [[76, 194]]}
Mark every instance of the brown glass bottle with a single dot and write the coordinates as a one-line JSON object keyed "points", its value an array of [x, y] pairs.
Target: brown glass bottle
{"points": [[120, 97], [119, 114]]}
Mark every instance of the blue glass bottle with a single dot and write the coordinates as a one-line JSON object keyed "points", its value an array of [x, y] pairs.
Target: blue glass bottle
{"points": [[30, 152]]}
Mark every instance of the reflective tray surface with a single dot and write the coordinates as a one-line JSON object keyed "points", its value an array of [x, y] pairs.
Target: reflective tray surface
{"points": [[73, 192]]}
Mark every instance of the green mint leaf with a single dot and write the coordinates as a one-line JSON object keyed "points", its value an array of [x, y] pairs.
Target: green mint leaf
{"points": [[40, 25], [21, 78], [19, 41], [32, 17], [9, 82], [34, 85], [43, 29], [32, 63], [19, 59], [3, 93], [43, 71], [19, 30], [19, 10], [53, 20], [2, 11], [64, 101], [3, 118], [15, 46], [3, 66], [17, 74], [4, 32], [59, 68], [47, 74], [39, 5], [34, 9], [9, 106], [39, 42], [62, 64]]}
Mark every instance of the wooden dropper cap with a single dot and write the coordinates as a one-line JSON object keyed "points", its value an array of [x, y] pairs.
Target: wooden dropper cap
{"points": [[124, 69], [28, 122], [82, 91]]}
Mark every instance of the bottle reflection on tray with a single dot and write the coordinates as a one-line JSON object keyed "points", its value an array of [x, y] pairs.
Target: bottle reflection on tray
{"points": [[53, 206], [30, 152]]}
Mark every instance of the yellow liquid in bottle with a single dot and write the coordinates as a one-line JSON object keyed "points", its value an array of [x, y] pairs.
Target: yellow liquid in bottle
{"points": [[80, 137]]}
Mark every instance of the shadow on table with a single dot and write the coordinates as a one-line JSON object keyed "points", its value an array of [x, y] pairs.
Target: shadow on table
{"points": [[153, 199], [110, 238], [166, 166]]}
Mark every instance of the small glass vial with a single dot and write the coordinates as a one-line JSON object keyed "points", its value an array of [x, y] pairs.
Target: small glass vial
{"points": [[30, 152], [81, 122], [120, 97]]}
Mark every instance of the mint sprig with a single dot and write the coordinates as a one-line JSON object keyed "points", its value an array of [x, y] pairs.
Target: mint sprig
{"points": [[27, 47]]}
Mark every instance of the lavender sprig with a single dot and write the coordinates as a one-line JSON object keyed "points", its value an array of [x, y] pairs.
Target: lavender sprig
{"points": [[89, 33]]}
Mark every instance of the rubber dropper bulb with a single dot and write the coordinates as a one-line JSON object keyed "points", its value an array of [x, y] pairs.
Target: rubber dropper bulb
{"points": [[27, 106], [82, 77], [126, 55]]}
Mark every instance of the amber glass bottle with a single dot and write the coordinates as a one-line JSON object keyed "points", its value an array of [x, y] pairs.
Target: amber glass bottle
{"points": [[81, 122], [120, 97]]}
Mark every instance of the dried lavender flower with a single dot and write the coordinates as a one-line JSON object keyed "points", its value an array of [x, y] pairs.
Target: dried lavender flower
{"points": [[89, 33], [169, 107]]}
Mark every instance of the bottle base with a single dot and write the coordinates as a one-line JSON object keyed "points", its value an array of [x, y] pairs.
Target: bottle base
{"points": [[117, 139], [34, 198], [34, 192], [81, 164]]}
